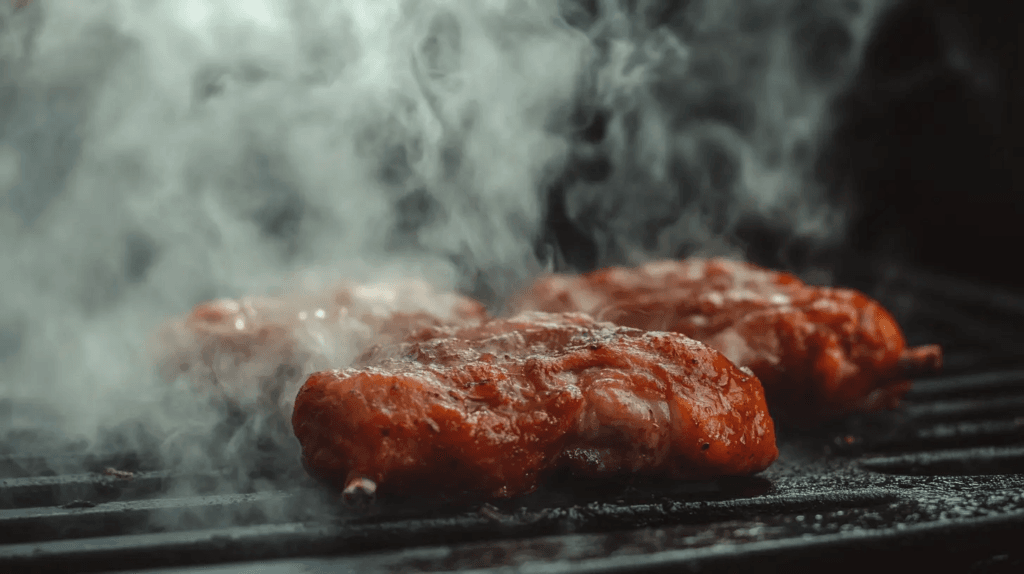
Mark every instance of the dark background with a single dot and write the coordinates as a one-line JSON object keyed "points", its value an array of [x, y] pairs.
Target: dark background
{"points": [[927, 143], [921, 153]]}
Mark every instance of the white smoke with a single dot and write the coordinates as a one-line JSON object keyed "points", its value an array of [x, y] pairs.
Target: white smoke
{"points": [[155, 154], [715, 111]]}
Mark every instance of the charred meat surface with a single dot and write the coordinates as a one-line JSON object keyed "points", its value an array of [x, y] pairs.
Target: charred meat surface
{"points": [[821, 353], [259, 350], [487, 411]]}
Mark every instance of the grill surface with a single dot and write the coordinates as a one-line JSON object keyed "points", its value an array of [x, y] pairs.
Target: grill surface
{"points": [[940, 482]]}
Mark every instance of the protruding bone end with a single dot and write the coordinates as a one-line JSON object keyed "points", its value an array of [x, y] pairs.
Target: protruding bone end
{"points": [[360, 493], [920, 361]]}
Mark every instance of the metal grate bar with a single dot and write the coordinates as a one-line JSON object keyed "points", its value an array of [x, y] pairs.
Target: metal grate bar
{"points": [[35, 524], [940, 436], [928, 286], [96, 487], [973, 461], [295, 539], [966, 409], [955, 545], [997, 337], [21, 466], [961, 292], [852, 549], [967, 385]]}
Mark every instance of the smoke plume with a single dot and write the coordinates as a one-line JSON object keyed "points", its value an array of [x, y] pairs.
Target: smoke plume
{"points": [[709, 119], [157, 154]]}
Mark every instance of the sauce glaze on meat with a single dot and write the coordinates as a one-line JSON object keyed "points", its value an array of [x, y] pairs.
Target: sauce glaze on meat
{"points": [[259, 350], [490, 410], [821, 353]]}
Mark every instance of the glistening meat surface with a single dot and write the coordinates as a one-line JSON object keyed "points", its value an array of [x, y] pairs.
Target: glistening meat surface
{"points": [[489, 410], [257, 351], [821, 353]]}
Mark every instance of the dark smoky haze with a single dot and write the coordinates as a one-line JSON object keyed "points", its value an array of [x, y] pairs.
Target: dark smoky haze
{"points": [[924, 145], [705, 122], [157, 154]]}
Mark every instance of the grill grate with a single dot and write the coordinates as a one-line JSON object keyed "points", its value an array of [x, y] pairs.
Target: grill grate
{"points": [[939, 481]]}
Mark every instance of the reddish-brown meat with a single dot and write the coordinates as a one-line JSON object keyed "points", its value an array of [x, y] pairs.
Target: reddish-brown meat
{"points": [[488, 411], [820, 353], [261, 349]]}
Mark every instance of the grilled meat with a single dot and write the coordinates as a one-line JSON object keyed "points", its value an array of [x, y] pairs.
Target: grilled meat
{"points": [[489, 410], [821, 353], [260, 350]]}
